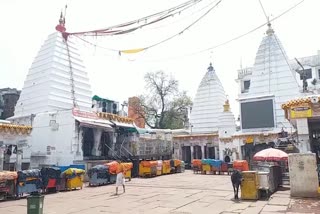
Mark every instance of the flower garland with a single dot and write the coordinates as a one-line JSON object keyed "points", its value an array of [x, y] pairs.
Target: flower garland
{"points": [[295, 102], [15, 129]]}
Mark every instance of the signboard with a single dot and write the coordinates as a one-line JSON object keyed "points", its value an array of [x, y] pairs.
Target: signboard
{"points": [[85, 114], [249, 140], [301, 111]]}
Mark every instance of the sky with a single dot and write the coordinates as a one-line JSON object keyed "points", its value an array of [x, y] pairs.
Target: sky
{"points": [[27, 24]]}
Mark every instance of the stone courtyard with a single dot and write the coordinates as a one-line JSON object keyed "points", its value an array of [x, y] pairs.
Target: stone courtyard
{"points": [[177, 194]]}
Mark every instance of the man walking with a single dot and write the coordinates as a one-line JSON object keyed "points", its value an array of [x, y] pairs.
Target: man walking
{"points": [[120, 178]]}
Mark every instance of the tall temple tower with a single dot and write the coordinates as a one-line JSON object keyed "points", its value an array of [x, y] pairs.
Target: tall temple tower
{"points": [[208, 103], [56, 86], [57, 79], [272, 83]]}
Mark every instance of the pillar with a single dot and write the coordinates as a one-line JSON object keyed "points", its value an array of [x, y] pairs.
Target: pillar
{"points": [[80, 141], [192, 157], [96, 142], [216, 152], [19, 158], [1, 158], [202, 152], [303, 135]]}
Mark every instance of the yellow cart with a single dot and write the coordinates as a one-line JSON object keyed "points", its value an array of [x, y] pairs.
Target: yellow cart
{"points": [[206, 168], [74, 183], [166, 168], [146, 168], [159, 167], [74, 178], [127, 174], [250, 185]]}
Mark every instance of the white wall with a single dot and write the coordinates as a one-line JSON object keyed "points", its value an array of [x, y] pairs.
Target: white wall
{"points": [[303, 175], [54, 139]]}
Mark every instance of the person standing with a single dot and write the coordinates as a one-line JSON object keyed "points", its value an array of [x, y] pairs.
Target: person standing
{"points": [[120, 178]]}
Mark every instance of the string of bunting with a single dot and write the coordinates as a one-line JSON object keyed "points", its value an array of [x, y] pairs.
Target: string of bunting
{"points": [[134, 25], [137, 50]]}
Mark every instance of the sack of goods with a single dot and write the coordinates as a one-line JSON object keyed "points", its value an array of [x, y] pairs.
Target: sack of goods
{"points": [[102, 171], [50, 173], [32, 176], [8, 175], [126, 166], [73, 172], [149, 163], [113, 167], [196, 162], [28, 175], [177, 162], [166, 163]]}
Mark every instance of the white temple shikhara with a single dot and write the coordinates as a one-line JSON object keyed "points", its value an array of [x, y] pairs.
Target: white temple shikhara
{"points": [[273, 76], [208, 104], [55, 80], [210, 119], [264, 88]]}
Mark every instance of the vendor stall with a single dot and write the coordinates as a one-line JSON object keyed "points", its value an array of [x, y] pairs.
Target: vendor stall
{"points": [[29, 181], [8, 182]]}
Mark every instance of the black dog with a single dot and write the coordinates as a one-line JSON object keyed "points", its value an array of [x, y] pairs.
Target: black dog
{"points": [[236, 179]]}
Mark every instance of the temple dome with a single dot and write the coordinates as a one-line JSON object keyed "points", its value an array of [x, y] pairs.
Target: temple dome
{"points": [[208, 104]]}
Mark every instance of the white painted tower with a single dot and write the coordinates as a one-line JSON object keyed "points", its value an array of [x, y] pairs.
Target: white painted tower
{"points": [[273, 76], [56, 84], [57, 80], [208, 104]]}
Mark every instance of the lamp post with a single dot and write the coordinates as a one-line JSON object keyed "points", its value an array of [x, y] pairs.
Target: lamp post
{"points": [[304, 77]]}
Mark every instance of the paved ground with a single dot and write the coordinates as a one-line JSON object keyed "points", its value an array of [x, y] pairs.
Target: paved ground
{"points": [[176, 194]]}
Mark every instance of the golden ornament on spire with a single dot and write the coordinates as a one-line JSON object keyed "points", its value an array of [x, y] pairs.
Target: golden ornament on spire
{"points": [[226, 106]]}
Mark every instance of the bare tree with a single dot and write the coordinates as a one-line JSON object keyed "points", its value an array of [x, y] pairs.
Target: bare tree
{"points": [[162, 100]]}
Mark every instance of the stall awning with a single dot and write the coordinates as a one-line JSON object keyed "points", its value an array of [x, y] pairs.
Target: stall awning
{"points": [[88, 122], [126, 125]]}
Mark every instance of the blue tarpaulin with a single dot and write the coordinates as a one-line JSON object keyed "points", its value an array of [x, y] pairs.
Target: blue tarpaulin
{"points": [[212, 162]]}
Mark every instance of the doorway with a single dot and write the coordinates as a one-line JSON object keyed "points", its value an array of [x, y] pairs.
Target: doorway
{"points": [[186, 154], [314, 137], [211, 153]]}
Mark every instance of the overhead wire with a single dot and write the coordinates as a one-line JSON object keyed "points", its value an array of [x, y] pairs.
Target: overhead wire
{"points": [[265, 14], [210, 48], [183, 18], [160, 16], [160, 42], [234, 38], [186, 28]]}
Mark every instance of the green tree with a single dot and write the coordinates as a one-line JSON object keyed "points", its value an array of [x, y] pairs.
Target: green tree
{"points": [[162, 106]]}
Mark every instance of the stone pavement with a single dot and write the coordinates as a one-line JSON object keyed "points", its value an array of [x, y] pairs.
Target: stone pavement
{"points": [[176, 194]]}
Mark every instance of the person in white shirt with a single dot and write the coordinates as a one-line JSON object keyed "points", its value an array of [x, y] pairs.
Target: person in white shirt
{"points": [[120, 179]]}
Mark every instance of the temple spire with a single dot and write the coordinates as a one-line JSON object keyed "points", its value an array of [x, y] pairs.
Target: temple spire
{"points": [[62, 22], [270, 31], [210, 68], [226, 106]]}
